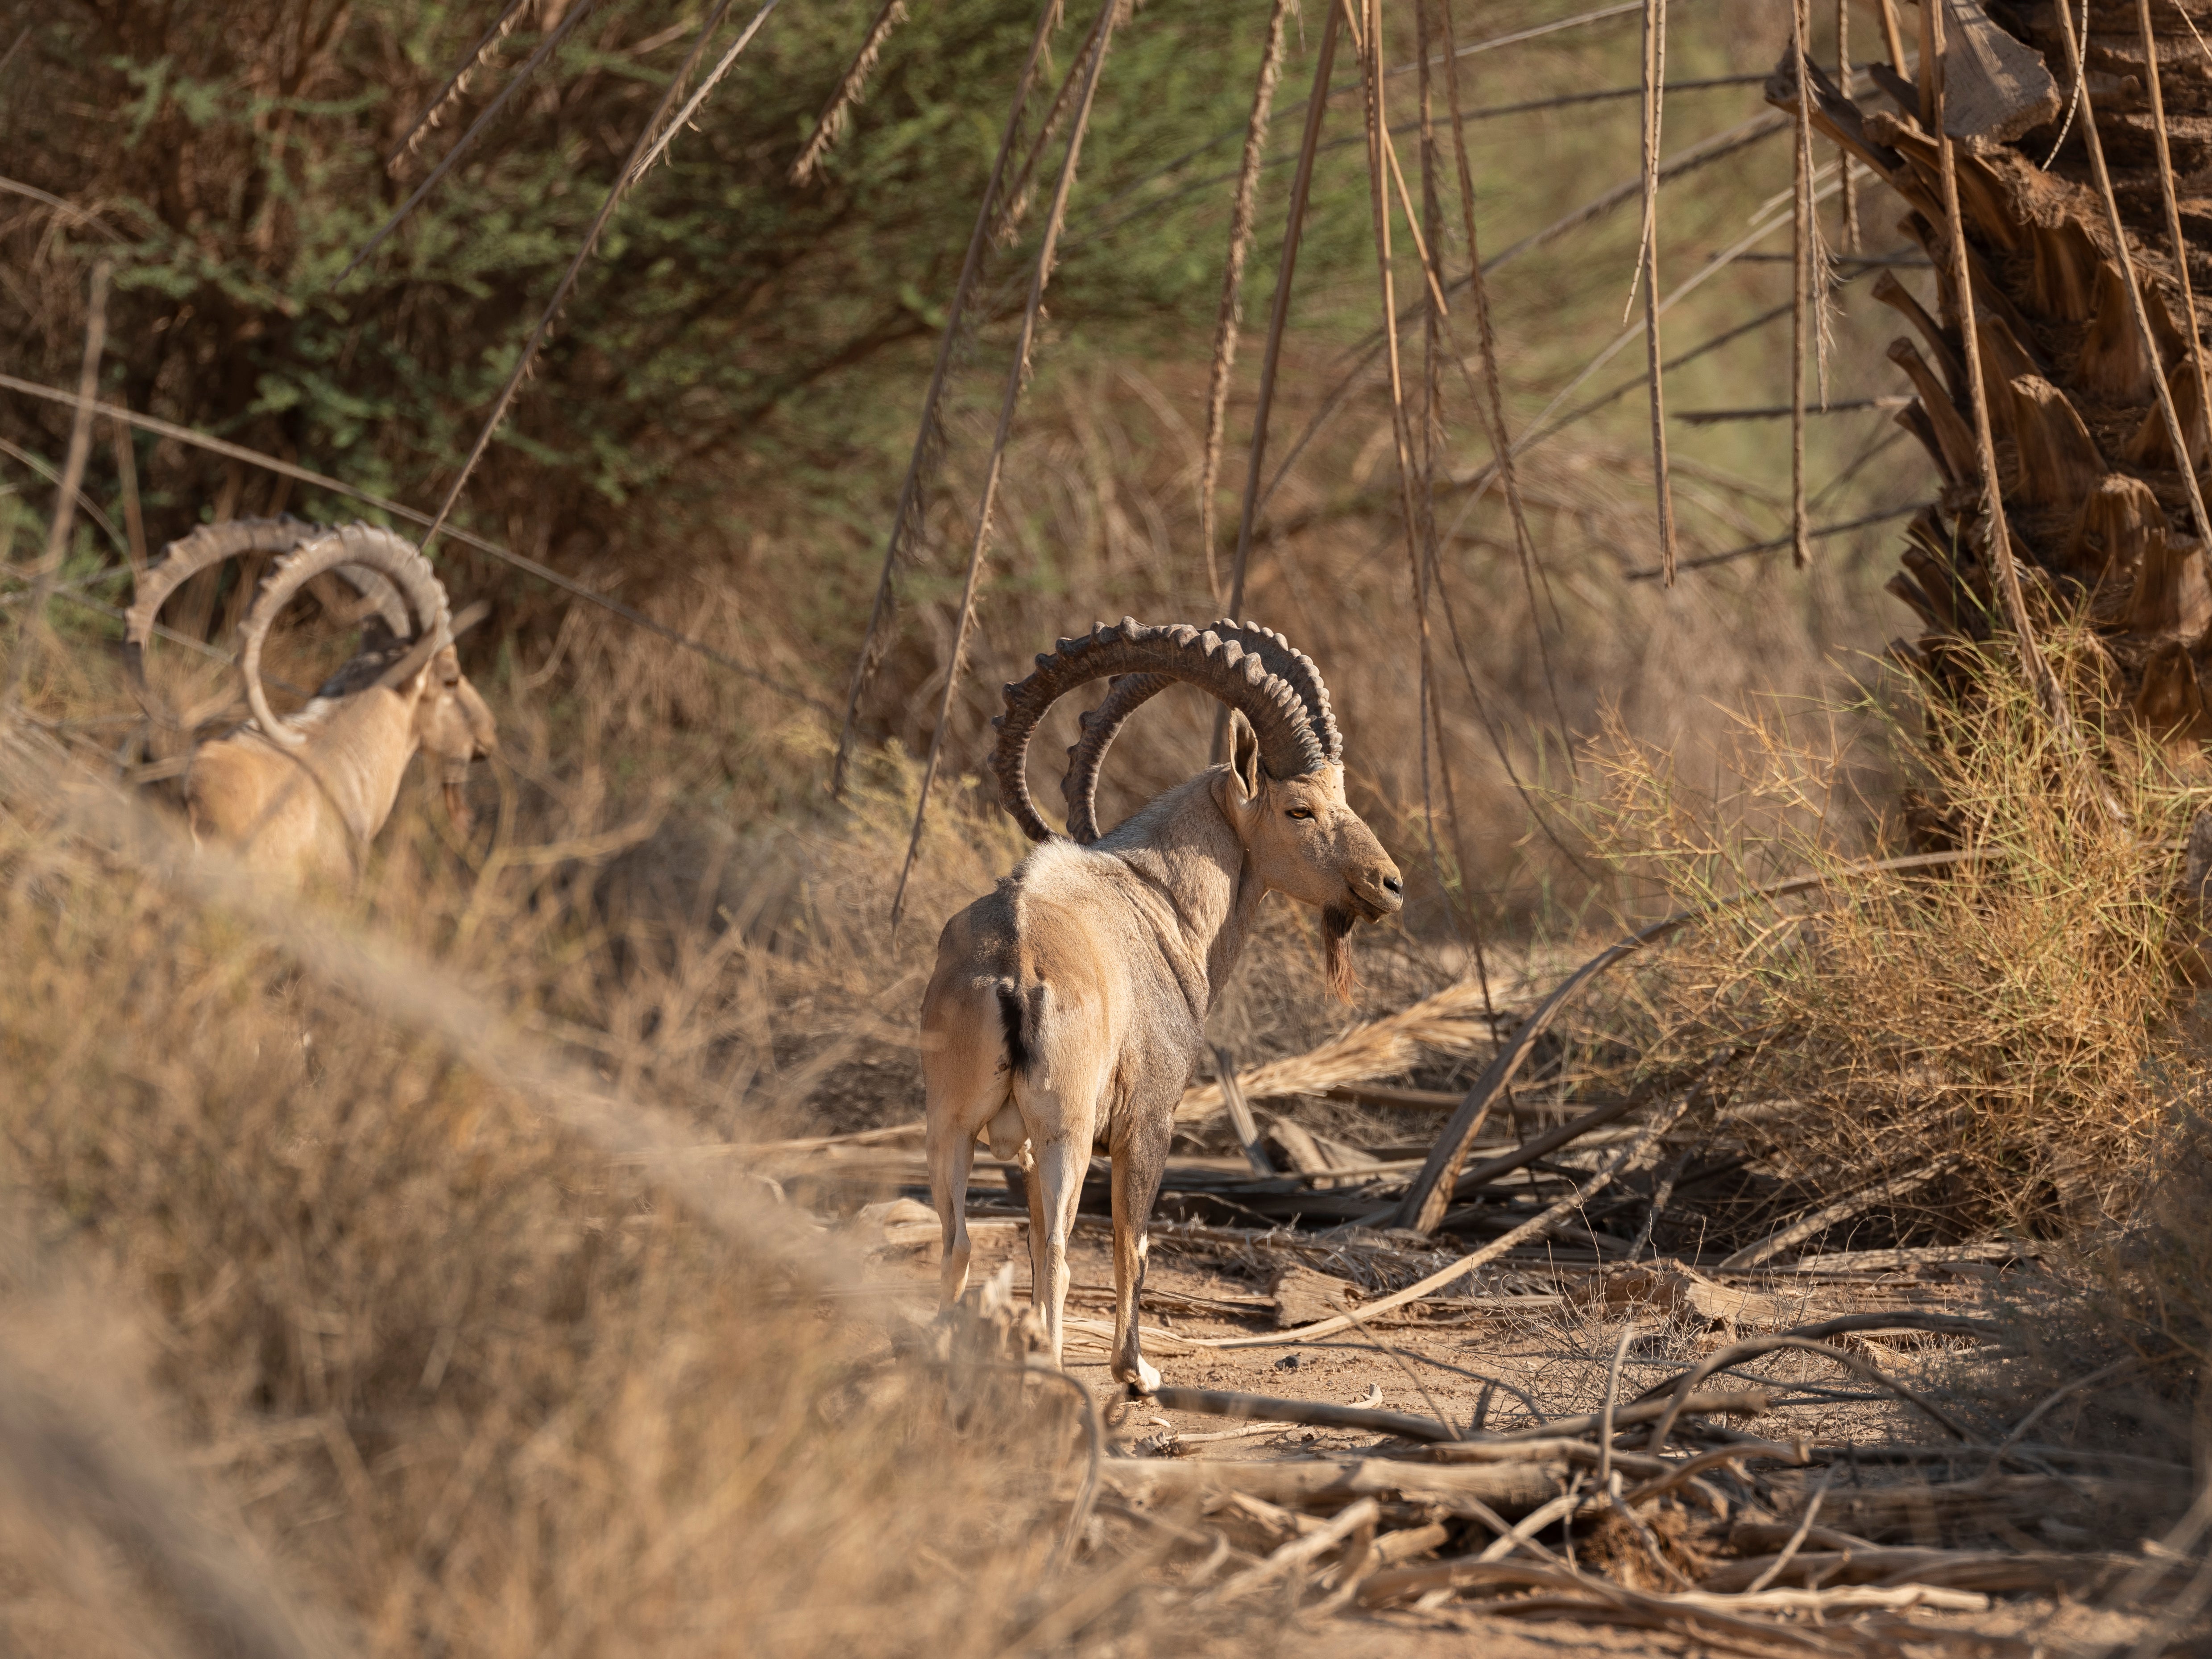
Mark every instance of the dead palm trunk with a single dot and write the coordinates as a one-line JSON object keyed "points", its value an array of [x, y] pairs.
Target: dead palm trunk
{"points": [[2103, 521]]}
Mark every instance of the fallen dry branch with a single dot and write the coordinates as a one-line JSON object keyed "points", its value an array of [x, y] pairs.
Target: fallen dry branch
{"points": [[1510, 1489], [1298, 1551], [1924, 1255], [1808, 1338], [1838, 1601], [1963, 1569], [1467, 1572], [1661, 1474], [1883, 1188], [1391, 1098], [1535, 1227], [1796, 1452], [1554, 1446], [1915, 1512], [1261, 1407], [2150, 1469], [1450, 1023], [812, 1143], [1743, 1403], [1543, 1146]]}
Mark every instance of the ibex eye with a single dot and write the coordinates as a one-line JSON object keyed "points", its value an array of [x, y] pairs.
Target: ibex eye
{"points": [[1302, 813]]}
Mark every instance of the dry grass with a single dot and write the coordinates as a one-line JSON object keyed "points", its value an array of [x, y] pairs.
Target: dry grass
{"points": [[429, 1357], [2010, 1022]]}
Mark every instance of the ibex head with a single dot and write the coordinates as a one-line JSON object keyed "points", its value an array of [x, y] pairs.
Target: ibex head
{"points": [[1304, 840], [454, 726], [449, 720], [407, 632], [1282, 789]]}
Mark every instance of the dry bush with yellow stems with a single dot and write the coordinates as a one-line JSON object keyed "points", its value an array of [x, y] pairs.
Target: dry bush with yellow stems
{"points": [[2002, 1031]]}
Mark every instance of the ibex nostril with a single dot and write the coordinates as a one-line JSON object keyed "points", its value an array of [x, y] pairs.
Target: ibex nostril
{"points": [[1393, 884]]}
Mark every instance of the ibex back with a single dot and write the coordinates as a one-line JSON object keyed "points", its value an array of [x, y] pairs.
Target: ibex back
{"points": [[1074, 998]]}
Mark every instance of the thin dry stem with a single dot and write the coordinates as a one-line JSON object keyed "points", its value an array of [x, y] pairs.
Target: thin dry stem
{"points": [[1017, 378], [1655, 96], [1230, 316], [456, 85], [929, 437], [631, 170], [31, 641], [1801, 549], [837, 113]]}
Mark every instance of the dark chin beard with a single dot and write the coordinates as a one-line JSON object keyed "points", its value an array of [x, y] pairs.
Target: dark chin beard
{"points": [[457, 807], [1336, 922]]}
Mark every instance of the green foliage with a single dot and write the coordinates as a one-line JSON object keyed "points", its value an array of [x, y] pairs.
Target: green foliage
{"points": [[731, 323]]}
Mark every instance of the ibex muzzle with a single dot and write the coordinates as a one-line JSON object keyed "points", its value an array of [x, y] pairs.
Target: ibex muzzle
{"points": [[1073, 999]]}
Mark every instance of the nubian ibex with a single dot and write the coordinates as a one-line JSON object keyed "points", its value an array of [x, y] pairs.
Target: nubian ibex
{"points": [[300, 796], [1074, 998]]}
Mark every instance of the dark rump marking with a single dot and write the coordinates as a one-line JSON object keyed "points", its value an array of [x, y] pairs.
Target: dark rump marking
{"points": [[1010, 1016]]}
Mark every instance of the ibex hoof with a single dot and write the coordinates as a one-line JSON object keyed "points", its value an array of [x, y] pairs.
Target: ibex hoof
{"points": [[1145, 1381]]}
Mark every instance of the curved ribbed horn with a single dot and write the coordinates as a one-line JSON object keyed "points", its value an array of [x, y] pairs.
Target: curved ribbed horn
{"points": [[363, 545], [235, 538], [1129, 692], [1289, 745]]}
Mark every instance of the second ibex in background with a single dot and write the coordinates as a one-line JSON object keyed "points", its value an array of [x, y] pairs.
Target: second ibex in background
{"points": [[302, 795], [1074, 998]]}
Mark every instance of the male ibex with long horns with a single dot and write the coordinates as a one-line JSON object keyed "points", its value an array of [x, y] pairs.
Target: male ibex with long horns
{"points": [[302, 795], [1075, 996]]}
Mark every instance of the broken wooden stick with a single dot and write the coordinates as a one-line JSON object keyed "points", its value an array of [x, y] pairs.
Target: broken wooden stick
{"points": [[1744, 1402], [1884, 1188], [1796, 1453], [1533, 1228], [1510, 1489], [1469, 1572], [1572, 1449], [1542, 1146], [1963, 1569], [1811, 1338], [1298, 1551], [1240, 1115], [1268, 1408]]}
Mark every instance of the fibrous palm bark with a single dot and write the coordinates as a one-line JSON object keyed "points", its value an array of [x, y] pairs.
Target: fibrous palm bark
{"points": [[2099, 508]]}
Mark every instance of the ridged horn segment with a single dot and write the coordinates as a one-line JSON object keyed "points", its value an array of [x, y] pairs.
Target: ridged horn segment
{"points": [[1087, 757], [1290, 746], [211, 545], [365, 546]]}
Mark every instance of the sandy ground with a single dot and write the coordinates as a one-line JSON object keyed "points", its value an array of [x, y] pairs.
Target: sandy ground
{"points": [[1514, 1367]]}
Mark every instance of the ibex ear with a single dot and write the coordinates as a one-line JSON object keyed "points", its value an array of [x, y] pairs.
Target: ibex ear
{"points": [[1244, 755]]}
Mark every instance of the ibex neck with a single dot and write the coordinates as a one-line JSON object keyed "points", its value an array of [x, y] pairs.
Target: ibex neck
{"points": [[1190, 855], [357, 751]]}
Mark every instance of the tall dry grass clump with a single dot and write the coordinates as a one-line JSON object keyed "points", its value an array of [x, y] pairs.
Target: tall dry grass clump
{"points": [[419, 1364], [1990, 1045]]}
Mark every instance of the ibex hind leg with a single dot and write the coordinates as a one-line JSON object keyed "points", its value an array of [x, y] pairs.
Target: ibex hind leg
{"points": [[1061, 1163], [1140, 1159], [967, 1081], [951, 1151]]}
